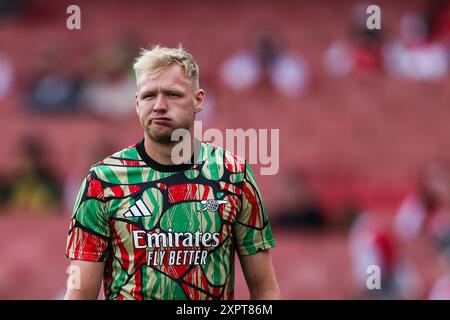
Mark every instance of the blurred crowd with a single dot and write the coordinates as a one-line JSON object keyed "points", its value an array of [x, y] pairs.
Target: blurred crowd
{"points": [[422, 218], [420, 51]]}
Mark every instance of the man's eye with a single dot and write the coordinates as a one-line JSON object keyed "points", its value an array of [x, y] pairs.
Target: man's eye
{"points": [[149, 96], [173, 95]]}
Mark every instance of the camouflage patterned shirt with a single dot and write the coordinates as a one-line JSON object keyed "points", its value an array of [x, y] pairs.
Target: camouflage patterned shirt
{"points": [[168, 231]]}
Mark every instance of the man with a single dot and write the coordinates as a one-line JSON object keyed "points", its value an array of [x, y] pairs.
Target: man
{"points": [[154, 229]]}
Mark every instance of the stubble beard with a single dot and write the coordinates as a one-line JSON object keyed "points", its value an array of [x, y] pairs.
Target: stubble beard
{"points": [[159, 136], [165, 136]]}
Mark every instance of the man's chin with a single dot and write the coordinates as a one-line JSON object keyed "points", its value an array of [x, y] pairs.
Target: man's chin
{"points": [[161, 137]]}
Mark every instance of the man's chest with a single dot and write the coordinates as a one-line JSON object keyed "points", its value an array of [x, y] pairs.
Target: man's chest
{"points": [[176, 223]]}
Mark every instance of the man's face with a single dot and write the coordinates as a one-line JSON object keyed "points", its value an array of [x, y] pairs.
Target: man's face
{"points": [[166, 102]]}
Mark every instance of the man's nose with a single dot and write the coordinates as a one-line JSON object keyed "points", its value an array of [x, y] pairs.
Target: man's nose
{"points": [[160, 104]]}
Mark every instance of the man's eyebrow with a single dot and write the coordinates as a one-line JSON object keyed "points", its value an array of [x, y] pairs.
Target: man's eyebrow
{"points": [[174, 88], [145, 92], [164, 89]]}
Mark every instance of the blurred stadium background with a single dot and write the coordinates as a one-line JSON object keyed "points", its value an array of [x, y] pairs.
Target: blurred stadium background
{"points": [[363, 118]]}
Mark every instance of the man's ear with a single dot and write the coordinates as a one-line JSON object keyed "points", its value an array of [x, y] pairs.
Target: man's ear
{"points": [[136, 102], [199, 99]]}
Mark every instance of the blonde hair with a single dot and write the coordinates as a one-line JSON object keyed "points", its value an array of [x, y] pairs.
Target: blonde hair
{"points": [[158, 59]]}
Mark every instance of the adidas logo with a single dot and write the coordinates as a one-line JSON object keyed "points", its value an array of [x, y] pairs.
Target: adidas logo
{"points": [[139, 209]]}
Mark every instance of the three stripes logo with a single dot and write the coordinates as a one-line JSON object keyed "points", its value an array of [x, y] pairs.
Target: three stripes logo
{"points": [[139, 209]]}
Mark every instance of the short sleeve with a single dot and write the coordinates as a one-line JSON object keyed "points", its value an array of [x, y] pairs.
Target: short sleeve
{"points": [[252, 230], [89, 230]]}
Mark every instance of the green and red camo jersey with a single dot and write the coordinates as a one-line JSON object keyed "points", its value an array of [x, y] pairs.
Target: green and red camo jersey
{"points": [[168, 231]]}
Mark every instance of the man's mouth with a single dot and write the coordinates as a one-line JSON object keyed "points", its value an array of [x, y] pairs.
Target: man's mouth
{"points": [[165, 121]]}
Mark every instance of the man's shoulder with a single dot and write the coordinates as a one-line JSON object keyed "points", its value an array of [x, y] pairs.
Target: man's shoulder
{"points": [[231, 161], [127, 157]]}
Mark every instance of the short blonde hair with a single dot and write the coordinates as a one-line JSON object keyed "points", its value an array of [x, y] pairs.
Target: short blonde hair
{"points": [[158, 59]]}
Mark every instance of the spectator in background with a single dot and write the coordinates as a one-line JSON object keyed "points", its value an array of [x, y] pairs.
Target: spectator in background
{"points": [[52, 88], [32, 187], [438, 19], [361, 53], [110, 85], [372, 244], [426, 210], [441, 288], [6, 75], [10, 9], [416, 55], [266, 59], [299, 206]]}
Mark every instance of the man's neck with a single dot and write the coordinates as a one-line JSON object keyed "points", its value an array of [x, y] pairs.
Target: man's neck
{"points": [[162, 152]]}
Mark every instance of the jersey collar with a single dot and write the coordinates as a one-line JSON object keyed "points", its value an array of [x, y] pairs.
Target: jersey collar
{"points": [[168, 167]]}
